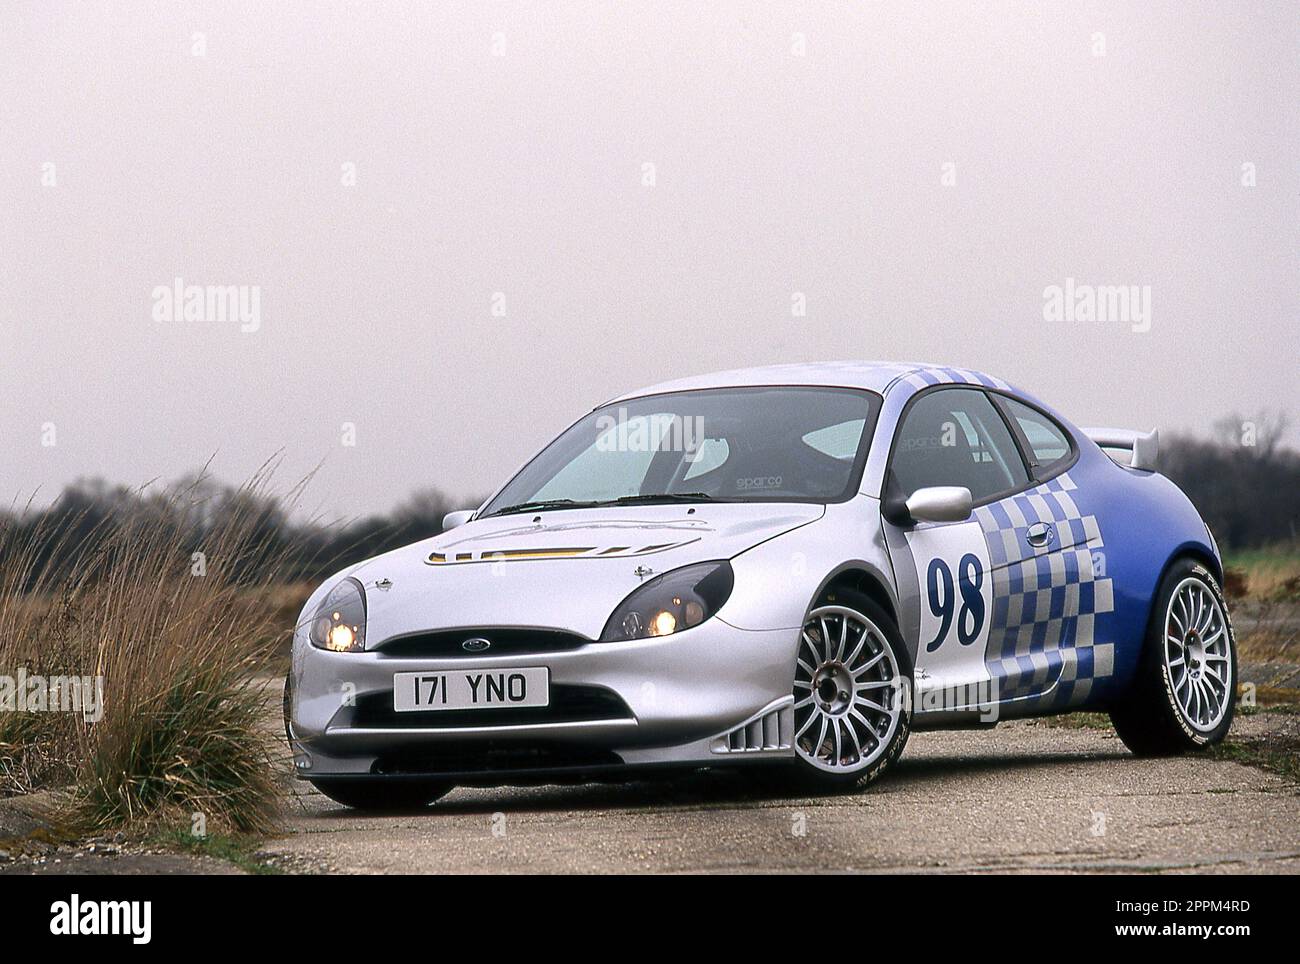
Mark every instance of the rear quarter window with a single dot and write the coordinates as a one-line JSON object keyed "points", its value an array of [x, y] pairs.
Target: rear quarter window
{"points": [[1047, 441]]}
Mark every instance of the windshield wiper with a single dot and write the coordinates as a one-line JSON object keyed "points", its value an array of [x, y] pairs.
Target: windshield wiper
{"points": [[543, 504], [668, 497]]}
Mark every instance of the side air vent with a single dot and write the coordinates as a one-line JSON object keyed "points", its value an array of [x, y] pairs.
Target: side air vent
{"points": [[771, 730]]}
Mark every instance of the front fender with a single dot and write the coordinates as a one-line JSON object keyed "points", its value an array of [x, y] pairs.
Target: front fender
{"points": [[778, 581]]}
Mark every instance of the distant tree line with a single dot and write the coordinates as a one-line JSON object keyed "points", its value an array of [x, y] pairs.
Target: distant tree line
{"points": [[199, 509], [1243, 481]]}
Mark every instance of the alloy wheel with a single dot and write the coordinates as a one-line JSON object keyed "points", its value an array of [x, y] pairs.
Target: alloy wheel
{"points": [[848, 691], [1197, 654]]}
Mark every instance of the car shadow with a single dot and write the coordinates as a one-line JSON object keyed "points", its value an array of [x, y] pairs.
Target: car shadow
{"points": [[695, 788], [931, 768]]}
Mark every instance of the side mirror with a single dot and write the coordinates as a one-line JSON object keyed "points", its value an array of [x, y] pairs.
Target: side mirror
{"points": [[457, 518], [940, 503]]}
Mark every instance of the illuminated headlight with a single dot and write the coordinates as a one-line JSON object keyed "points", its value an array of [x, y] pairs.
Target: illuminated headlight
{"points": [[672, 602], [340, 621]]}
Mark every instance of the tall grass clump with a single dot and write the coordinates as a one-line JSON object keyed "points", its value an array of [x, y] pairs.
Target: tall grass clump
{"points": [[177, 605]]}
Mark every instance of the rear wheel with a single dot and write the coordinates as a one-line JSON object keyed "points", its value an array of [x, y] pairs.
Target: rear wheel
{"points": [[851, 688], [1185, 691], [383, 794]]}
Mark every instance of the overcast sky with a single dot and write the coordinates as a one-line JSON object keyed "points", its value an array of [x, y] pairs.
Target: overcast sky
{"points": [[468, 223]]}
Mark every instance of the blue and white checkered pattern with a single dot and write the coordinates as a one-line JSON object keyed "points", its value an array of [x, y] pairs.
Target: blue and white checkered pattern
{"points": [[1041, 642], [939, 375]]}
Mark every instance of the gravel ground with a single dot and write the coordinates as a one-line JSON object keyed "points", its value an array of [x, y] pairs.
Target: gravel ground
{"points": [[1027, 796], [1055, 795]]}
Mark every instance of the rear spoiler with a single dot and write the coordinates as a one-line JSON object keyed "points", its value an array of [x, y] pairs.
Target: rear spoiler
{"points": [[1144, 447]]}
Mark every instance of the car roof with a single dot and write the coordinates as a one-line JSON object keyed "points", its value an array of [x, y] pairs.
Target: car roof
{"points": [[875, 376]]}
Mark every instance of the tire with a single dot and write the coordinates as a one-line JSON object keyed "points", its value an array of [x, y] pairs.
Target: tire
{"points": [[286, 705], [379, 795], [855, 744], [1182, 702]]}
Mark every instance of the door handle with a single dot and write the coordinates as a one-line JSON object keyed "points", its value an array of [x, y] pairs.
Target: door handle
{"points": [[1039, 534]]}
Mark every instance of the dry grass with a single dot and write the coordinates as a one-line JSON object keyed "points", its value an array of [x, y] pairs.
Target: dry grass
{"points": [[1268, 631], [1265, 574], [1264, 589], [182, 729]]}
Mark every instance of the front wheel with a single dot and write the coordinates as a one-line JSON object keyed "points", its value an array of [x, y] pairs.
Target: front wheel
{"points": [[852, 685], [1186, 686], [383, 794]]}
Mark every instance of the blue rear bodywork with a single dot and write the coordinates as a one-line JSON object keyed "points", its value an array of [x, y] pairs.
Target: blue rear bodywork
{"points": [[1068, 621], [1146, 523]]}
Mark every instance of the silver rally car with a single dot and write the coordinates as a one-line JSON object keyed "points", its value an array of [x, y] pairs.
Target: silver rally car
{"points": [[786, 565]]}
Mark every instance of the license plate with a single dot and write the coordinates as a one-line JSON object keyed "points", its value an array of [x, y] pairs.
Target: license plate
{"points": [[472, 689]]}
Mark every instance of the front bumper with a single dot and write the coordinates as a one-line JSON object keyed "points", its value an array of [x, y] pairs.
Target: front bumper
{"points": [[711, 695]]}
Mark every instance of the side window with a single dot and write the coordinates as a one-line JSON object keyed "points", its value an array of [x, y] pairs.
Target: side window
{"points": [[954, 436], [1047, 443]]}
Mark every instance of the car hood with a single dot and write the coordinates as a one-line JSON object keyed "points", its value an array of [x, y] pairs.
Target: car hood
{"points": [[564, 570]]}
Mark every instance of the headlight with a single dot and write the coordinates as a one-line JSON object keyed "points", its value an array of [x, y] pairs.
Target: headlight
{"points": [[672, 602], [340, 621]]}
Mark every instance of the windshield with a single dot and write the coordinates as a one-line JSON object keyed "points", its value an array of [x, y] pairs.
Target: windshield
{"points": [[781, 444]]}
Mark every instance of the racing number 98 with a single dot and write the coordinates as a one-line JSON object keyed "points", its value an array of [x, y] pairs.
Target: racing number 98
{"points": [[943, 603]]}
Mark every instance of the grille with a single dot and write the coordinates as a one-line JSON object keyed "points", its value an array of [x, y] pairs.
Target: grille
{"points": [[569, 704], [497, 756], [505, 642]]}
